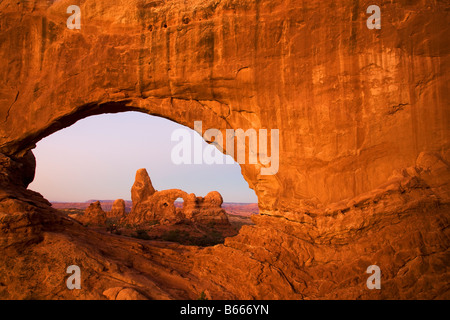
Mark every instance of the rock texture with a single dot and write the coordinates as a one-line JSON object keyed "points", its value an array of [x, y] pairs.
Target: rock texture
{"points": [[206, 210], [117, 210], [142, 187], [158, 207], [93, 215], [120, 293], [364, 142]]}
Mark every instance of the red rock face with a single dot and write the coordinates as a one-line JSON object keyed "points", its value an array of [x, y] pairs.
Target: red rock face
{"points": [[364, 141], [117, 210], [209, 209], [142, 188], [158, 207], [93, 215]]}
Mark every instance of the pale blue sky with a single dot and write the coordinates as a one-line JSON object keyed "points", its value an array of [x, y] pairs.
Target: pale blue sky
{"points": [[97, 158]]}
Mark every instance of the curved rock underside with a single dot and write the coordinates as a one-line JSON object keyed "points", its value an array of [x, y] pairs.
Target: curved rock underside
{"points": [[363, 117]]}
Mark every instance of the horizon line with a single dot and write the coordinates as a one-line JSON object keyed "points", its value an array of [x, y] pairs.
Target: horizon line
{"points": [[105, 200]]}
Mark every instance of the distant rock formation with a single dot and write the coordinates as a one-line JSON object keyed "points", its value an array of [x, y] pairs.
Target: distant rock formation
{"points": [[205, 210], [142, 188], [150, 205], [93, 215], [209, 209], [117, 210], [157, 207]]}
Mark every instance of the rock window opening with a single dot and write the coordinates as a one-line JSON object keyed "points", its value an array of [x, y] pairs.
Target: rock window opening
{"points": [[87, 172]]}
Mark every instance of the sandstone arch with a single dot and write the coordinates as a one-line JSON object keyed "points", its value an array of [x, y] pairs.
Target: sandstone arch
{"points": [[159, 206], [363, 119], [153, 84], [150, 205]]}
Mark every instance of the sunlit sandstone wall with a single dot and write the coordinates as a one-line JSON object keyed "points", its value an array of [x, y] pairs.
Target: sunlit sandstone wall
{"points": [[352, 104]]}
